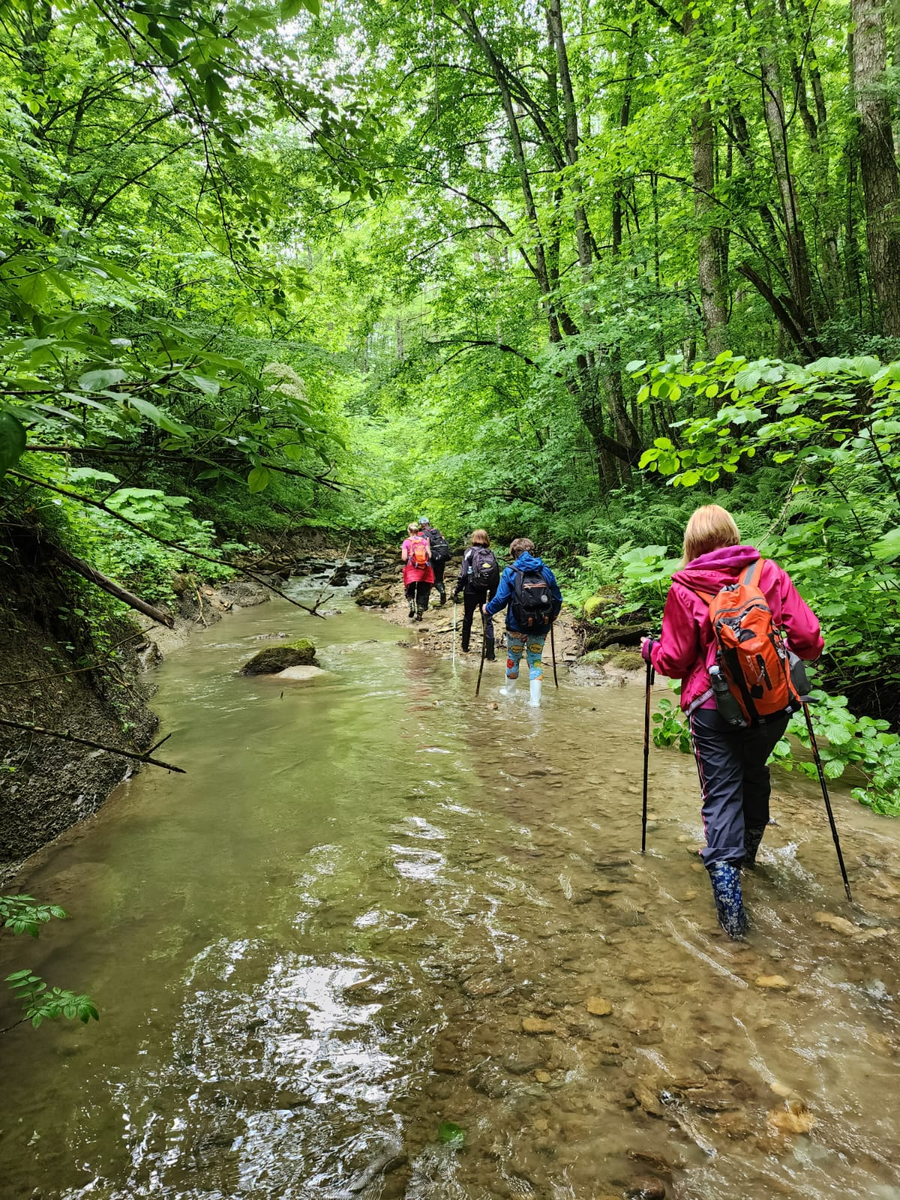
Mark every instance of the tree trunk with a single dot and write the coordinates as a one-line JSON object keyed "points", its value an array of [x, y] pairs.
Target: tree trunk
{"points": [[776, 124], [713, 302], [709, 246], [878, 166], [92, 575]]}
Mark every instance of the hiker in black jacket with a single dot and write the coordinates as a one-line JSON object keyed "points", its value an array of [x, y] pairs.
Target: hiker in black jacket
{"points": [[479, 577], [440, 556]]}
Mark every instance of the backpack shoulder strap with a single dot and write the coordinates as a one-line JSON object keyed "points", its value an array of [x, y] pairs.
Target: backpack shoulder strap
{"points": [[753, 573]]}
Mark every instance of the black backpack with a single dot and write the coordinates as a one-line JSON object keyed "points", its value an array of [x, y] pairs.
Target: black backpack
{"points": [[483, 572], [440, 547], [532, 606]]}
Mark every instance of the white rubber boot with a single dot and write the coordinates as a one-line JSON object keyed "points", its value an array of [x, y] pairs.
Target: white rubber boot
{"points": [[535, 700], [510, 689]]}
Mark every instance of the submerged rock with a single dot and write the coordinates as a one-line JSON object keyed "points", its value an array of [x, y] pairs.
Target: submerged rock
{"points": [[775, 982], [646, 1189], [298, 674], [537, 1025], [795, 1117], [389, 1160], [598, 1007], [274, 659]]}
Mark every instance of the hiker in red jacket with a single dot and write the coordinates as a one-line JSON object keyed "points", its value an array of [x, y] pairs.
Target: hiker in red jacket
{"points": [[734, 778], [418, 575]]}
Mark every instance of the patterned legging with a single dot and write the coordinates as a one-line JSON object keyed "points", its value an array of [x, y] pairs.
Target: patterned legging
{"points": [[532, 646]]}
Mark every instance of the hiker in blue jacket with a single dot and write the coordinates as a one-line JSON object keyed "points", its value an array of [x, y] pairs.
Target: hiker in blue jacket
{"points": [[529, 592]]}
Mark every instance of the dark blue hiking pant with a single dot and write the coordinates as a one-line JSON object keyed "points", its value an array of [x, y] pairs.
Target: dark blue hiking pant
{"points": [[734, 780]]}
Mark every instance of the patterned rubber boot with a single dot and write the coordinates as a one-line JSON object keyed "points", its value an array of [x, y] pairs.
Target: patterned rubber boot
{"points": [[726, 885], [419, 612], [753, 835], [412, 610]]}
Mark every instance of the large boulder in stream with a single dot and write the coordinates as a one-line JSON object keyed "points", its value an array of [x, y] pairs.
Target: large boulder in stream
{"points": [[273, 659], [378, 597]]}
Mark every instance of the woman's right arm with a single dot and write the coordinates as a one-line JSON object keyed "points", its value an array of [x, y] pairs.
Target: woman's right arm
{"points": [[678, 648], [803, 634], [463, 576]]}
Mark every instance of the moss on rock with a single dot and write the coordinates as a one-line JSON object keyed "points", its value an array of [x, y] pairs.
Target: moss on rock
{"points": [[602, 599], [626, 660], [301, 653], [596, 657]]}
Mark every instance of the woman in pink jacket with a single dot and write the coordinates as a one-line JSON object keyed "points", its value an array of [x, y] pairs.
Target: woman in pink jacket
{"points": [[417, 577], [734, 778]]}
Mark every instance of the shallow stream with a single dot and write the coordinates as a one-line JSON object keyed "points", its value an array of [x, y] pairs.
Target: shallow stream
{"points": [[318, 948]]}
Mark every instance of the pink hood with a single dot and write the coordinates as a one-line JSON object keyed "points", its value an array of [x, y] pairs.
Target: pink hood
{"points": [[715, 570], [686, 648]]}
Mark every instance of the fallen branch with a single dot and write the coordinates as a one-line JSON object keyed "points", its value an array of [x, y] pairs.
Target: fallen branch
{"points": [[71, 737], [182, 549], [80, 567]]}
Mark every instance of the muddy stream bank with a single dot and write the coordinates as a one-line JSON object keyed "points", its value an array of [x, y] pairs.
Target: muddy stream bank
{"points": [[377, 912]]}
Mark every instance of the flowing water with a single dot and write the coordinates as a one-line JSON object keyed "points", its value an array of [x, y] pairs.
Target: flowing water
{"points": [[314, 954]]}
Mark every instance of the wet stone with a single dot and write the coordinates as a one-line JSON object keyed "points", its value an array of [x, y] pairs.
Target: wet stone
{"points": [[535, 1025], [481, 986], [773, 982], [655, 1162], [490, 1081], [794, 1118], [648, 1099], [646, 1189], [445, 1060], [598, 1007], [528, 1060]]}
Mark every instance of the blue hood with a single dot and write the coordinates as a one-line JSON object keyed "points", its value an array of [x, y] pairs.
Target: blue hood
{"points": [[528, 562]]}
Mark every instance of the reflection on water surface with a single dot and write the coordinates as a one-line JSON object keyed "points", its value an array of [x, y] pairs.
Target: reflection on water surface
{"points": [[376, 905]]}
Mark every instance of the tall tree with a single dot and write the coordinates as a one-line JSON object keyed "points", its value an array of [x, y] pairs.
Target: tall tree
{"points": [[877, 159]]}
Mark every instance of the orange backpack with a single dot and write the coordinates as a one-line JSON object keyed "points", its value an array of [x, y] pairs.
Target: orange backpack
{"points": [[418, 553], [750, 650]]}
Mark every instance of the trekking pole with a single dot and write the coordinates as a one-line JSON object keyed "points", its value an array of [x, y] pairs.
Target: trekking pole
{"points": [[651, 675], [553, 655], [834, 832], [454, 634], [483, 648]]}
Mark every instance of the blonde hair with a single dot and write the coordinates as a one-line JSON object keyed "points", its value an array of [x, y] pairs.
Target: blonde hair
{"points": [[709, 528], [412, 527], [480, 538]]}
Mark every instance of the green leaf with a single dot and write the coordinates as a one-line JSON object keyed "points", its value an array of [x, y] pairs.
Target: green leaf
{"points": [[210, 387], [12, 441], [259, 479], [450, 1134], [158, 416], [99, 380], [887, 547]]}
